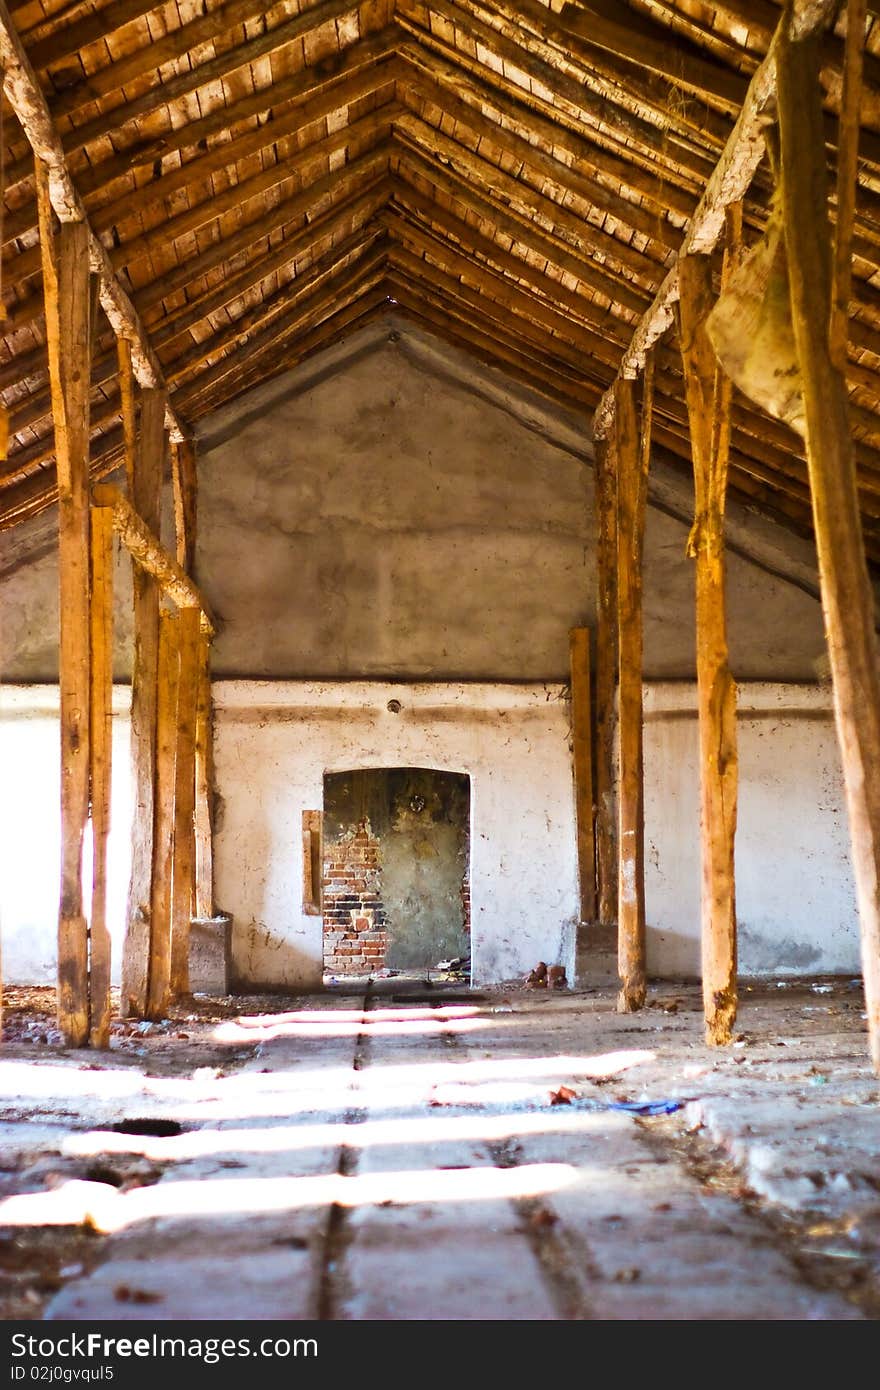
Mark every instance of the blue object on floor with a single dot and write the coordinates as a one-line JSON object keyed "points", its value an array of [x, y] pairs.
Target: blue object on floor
{"points": [[647, 1107]]}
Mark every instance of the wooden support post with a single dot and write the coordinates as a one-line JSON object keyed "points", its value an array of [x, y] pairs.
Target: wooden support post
{"points": [[631, 499], [67, 298], [101, 768], [582, 757], [184, 798], [183, 479], [204, 885], [606, 680], [159, 991], [846, 594], [708, 395], [148, 470], [129, 411]]}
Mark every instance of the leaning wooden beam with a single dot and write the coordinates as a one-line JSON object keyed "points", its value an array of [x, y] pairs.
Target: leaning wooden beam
{"points": [[708, 401], [159, 966], [631, 497], [146, 497], [148, 553], [66, 285], [582, 759], [204, 777], [847, 600], [184, 799], [728, 184], [606, 678], [25, 95], [101, 670]]}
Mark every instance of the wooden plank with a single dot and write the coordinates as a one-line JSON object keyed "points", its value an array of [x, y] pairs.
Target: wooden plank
{"points": [[184, 800], [582, 759], [148, 553], [847, 600], [25, 95], [146, 497], [631, 499], [204, 778], [183, 482], [101, 750], [68, 332], [708, 401], [159, 968], [606, 677]]}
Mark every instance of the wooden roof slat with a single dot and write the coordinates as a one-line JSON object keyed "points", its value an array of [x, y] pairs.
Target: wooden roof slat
{"points": [[647, 43], [172, 89], [562, 176], [489, 177], [521, 228], [299, 87], [350, 214]]}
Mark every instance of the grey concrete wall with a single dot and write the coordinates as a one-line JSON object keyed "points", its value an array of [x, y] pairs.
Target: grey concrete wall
{"points": [[397, 511]]}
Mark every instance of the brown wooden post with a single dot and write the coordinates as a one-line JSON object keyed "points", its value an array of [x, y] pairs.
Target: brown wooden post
{"points": [[632, 469], [204, 777], [184, 798], [159, 991], [846, 593], [708, 395], [101, 767], [128, 398], [606, 679], [66, 291], [582, 759], [148, 468]]}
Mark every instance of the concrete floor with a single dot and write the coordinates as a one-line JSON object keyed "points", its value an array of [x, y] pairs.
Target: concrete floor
{"points": [[388, 1151]]}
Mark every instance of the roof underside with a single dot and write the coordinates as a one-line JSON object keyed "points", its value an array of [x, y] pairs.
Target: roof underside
{"points": [[512, 175]]}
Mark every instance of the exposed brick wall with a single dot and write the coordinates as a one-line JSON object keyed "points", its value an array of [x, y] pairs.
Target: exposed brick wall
{"points": [[355, 937]]}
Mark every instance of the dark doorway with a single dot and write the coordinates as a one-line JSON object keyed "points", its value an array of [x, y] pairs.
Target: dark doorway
{"points": [[396, 881]]}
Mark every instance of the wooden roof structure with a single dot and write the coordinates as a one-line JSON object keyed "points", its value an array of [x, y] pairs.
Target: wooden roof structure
{"points": [[515, 176]]}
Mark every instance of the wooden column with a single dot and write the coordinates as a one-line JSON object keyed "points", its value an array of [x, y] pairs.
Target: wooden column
{"points": [[101, 770], [708, 400], [66, 289], [147, 469], [159, 990], [204, 778], [847, 601], [582, 758], [632, 469], [184, 798], [606, 679]]}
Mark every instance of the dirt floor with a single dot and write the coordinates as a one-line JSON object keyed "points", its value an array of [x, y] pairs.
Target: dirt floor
{"points": [[404, 1149]]}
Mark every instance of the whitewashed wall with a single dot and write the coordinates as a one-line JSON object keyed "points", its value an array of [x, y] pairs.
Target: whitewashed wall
{"points": [[30, 831], [795, 893], [275, 741]]}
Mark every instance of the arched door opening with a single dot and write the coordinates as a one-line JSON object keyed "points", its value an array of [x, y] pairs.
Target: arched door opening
{"points": [[396, 871]]}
